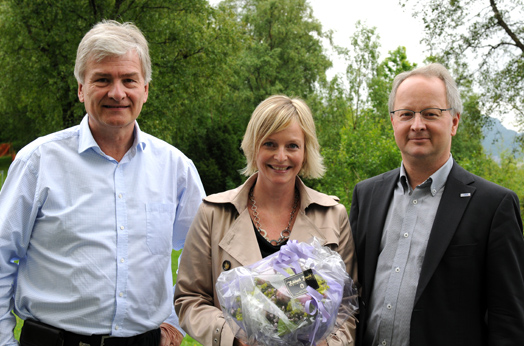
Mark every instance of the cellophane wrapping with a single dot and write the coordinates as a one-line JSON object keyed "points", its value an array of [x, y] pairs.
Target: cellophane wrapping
{"points": [[296, 296]]}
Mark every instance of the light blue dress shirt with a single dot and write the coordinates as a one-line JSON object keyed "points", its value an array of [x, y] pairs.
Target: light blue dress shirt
{"points": [[93, 236]]}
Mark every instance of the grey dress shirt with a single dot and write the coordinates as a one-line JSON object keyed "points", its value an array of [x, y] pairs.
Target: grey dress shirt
{"points": [[403, 245]]}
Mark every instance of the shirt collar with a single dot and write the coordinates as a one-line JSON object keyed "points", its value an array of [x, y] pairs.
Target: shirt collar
{"points": [[437, 180], [87, 141]]}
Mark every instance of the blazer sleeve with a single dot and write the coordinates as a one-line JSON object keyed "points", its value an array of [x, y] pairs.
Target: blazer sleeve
{"points": [[505, 274], [194, 293]]}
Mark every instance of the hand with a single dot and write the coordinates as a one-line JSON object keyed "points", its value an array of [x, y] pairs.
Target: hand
{"points": [[169, 335], [238, 343]]}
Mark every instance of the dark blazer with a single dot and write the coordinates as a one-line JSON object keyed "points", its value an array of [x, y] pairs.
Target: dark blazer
{"points": [[471, 286]]}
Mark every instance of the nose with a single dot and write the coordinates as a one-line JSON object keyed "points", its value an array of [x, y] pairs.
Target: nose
{"points": [[117, 92], [418, 124], [280, 155]]}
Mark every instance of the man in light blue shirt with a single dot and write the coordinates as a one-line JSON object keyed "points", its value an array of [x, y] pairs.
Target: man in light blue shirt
{"points": [[93, 212]]}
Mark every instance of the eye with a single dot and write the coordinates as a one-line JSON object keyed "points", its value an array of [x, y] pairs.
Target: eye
{"points": [[405, 114], [431, 113], [102, 80], [268, 144], [294, 146]]}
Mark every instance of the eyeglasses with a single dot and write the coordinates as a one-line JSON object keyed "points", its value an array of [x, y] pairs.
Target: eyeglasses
{"points": [[427, 114]]}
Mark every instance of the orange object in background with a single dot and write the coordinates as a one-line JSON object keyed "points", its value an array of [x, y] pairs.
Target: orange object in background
{"points": [[7, 150]]}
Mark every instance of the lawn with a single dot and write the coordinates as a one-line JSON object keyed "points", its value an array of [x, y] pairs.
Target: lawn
{"points": [[5, 161]]}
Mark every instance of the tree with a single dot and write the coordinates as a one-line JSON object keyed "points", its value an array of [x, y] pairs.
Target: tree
{"points": [[283, 50], [192, 47], [486, 38], [353, 120]]}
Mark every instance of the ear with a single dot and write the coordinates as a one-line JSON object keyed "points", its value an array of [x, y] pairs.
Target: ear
{"points": [[454, 124], [146, 92], [81, 92]]}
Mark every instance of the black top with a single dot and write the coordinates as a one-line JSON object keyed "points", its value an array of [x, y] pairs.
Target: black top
{"points": [[266, 248]]}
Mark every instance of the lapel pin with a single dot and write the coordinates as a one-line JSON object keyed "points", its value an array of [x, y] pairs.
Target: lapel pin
{"points": [[465, 194]]}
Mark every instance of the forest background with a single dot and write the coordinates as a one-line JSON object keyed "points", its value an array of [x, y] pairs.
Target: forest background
{"points": [[212, 65]]}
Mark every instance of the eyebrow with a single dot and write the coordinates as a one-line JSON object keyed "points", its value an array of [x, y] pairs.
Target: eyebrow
{"points": [[125, 75]]}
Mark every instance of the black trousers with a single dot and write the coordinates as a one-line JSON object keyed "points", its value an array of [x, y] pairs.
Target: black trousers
{"points": [[39, 334]]}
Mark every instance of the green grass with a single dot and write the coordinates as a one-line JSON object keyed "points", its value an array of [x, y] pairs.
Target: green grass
{"points": [[188, 341], [5, 161]]}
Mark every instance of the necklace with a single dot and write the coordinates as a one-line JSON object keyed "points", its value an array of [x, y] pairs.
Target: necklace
{"points": [[284, 235]]}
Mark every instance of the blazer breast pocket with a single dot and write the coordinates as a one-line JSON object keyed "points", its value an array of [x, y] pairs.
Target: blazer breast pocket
{"points": [[463, 250]]}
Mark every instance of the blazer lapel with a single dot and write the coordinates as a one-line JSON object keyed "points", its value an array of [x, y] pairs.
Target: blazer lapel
{"points": [[455, 199], [373, 223]]}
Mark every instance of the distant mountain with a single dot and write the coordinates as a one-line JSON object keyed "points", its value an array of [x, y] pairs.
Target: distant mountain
{"points": [[499, 139]]}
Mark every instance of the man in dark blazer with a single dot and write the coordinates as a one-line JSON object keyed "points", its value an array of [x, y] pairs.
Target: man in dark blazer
{"points": [[440, 251]]}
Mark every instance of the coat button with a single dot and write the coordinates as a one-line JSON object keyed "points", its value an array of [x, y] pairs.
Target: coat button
{"points": [[226, 265]]}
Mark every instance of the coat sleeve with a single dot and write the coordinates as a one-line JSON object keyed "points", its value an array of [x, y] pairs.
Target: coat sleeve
{"points": [[194, 293], [505, 274], [345, 333]]}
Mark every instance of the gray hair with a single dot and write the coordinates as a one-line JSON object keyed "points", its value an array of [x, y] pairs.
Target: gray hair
{"points": [[275, 114], [431, 70], [110, 38]]}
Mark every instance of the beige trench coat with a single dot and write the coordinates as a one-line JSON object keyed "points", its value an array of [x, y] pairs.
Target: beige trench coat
{"points": [[222, 237]]}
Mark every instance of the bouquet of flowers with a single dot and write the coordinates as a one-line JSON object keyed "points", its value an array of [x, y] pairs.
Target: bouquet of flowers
{"points": [[293, 297]]}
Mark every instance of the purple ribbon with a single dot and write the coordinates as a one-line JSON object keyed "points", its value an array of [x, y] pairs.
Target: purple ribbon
{"points": [[289, 255]]}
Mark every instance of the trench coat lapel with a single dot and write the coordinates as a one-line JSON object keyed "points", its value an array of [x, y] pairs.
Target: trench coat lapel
{"points": [[240, 240], [241, 230], [455, 199]]}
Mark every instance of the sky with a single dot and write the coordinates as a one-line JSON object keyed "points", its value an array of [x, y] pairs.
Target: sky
{"points": [[342, 15]]}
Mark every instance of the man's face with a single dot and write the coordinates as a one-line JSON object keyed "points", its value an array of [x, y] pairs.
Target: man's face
{"points": [[113, 92], [424, 141]]}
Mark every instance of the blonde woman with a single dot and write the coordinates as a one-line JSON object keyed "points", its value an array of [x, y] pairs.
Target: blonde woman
{"points": [[241, 226]]}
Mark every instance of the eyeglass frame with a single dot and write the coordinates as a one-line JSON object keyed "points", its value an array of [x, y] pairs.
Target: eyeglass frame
{"points": [[420, 112]]}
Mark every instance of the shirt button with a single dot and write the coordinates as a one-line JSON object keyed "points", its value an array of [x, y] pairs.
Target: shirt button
{"points": [[397, 269], [406, 235], [415, 201], [389, 306], [122, 260], [121, 294], [119, 195], [117, 327], [122, 227], [434, 191], [384, 342]]}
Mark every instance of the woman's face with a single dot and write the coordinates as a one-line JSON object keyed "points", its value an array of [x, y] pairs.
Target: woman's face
{"points": [[281, 156]]}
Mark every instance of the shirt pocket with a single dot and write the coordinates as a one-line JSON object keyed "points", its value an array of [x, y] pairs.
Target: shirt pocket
{"points": [[159, 223]]}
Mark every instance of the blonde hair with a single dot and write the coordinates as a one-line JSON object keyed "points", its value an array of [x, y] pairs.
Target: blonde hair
{"points": [[275, 114], [110, 38]]}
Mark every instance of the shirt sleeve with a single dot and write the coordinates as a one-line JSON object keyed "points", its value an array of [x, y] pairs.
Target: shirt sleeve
{"points": [[192, 194], [17, 203]]}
